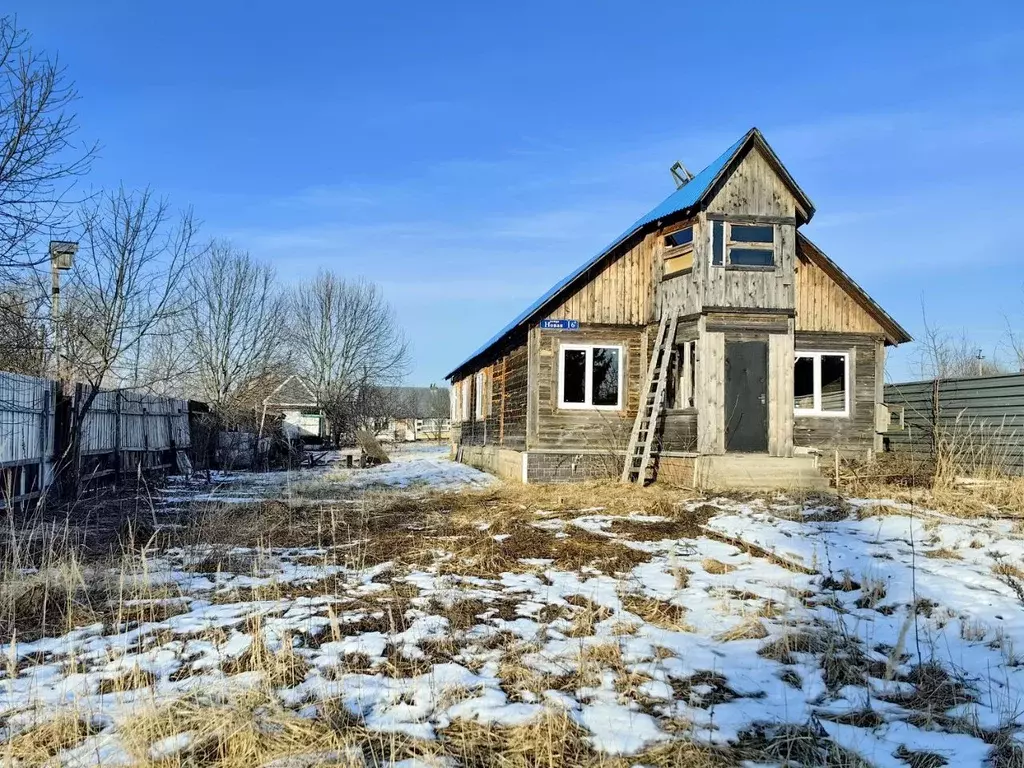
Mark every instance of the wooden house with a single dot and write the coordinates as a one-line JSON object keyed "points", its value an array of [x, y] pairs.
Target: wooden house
{"points": [[710, 344]]}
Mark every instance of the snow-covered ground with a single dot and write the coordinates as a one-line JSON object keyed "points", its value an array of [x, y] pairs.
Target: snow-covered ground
{"points": [[886, 630], [425, 466]]}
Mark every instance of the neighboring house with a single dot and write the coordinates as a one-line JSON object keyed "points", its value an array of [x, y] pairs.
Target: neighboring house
{"points": [[294, 399], [418, 413], [711, 342]]}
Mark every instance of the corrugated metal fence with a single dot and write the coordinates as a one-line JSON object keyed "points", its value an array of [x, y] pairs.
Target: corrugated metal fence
{"points": [[120, 432], [978, 422]]}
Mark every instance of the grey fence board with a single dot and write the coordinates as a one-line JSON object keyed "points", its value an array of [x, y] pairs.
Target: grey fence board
{"points": [[979, 420], [129, 421], [117, 424]]}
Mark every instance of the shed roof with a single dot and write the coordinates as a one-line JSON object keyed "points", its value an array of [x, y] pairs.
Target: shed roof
{"points": [[687, 197]]}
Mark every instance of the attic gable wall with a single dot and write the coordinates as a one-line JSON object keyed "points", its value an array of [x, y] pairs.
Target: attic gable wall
{"points": [[753, 189], [823, 305]]}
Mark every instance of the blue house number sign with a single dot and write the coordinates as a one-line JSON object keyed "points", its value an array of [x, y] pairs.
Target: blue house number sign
{"points": [[560, 325]]}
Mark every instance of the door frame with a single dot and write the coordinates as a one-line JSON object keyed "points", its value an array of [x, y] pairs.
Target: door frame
{"points": [[762, 439]]}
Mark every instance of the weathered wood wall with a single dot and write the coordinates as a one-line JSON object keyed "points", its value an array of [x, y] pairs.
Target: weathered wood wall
{"points": [[854, 435], [823, 305], [710, 391], [780, 394], [506, 382], [597, 430], [738, 287], [620, 291], [753, 189], [679, 431]]}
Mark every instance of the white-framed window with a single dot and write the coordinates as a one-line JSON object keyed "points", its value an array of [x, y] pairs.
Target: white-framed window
{"points": [[479, 395], [821, 383], [465, 395], [742, 246], [590, 376]]}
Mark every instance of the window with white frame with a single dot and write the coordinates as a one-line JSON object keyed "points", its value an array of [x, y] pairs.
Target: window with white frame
{"points": [[464, 394], [821, 384], [742, 246], [590, 376], [479, 395]]}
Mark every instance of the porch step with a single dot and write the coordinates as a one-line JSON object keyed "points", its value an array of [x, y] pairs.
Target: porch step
{"points": [[757, 472]]}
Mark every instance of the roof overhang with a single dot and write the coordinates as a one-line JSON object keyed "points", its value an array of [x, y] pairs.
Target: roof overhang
{"points": [[894, 332]]}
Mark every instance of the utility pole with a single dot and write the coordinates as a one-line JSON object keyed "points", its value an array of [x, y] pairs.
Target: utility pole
{"points": [[979, 357], [62, 258]]}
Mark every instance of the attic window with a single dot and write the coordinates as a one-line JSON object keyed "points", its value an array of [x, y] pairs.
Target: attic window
{"points": [[680, 238], [743, 245], [679, 252]]}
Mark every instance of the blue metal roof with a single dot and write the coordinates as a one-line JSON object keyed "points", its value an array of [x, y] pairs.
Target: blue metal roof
{"points": [[686, 197]]}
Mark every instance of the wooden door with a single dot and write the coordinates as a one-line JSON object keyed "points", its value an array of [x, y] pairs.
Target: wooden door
{"points": [[746, 396]]}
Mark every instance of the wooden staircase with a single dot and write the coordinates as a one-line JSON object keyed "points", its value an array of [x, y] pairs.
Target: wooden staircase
{"points": [[652, 398]]}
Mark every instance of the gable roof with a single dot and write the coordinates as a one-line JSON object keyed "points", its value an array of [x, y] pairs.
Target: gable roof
{"points": [[690, 196], [894, 332], [293, 390]]}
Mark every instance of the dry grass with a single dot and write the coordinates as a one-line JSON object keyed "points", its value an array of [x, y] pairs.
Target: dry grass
{"points": [[961, 483], [657, 612], [716, 567], [37, 745], [749, 629], [795, 745]]}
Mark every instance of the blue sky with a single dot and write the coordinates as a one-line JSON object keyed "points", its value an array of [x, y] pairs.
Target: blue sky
{"points": [[467, 155]]}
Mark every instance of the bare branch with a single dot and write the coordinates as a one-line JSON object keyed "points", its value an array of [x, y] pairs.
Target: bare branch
{"points": [[235, 326], [39, 160], [347, 344]]}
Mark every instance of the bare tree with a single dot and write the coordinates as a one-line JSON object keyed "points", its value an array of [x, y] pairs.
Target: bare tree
{"points": [[235, 326], [346, 342], [39, 160], [942, 354], [21, 334], [1015, 342], [124, 290]]}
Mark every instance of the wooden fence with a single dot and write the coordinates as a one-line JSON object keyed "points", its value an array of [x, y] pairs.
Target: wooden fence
{"points": [[122, 432], [977, 423], [27, 407]]}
